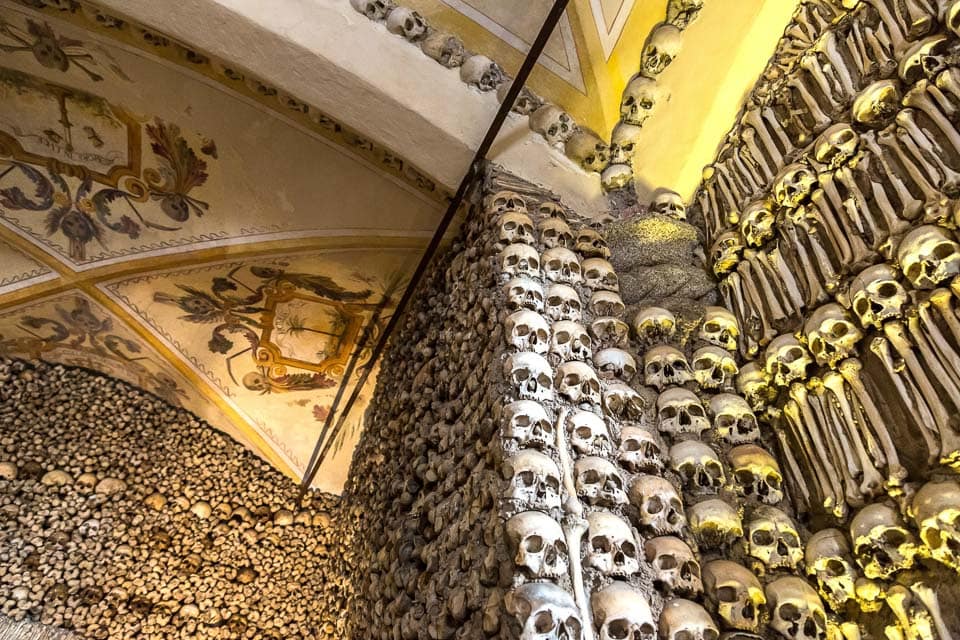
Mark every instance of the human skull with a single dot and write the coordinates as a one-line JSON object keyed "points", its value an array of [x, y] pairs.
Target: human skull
{"points": [[773, 539], [613, 363], [620, 611], [796, 611], [374, 9], [787, 360], [682, 12], [524, 293], [735, 593], [928, 256], [733, 420], [526, 423], [526, 103], [407, 23], [540, 548], [531, 376], [837, 146], [606, 303], [591, 244], [587, 150], [669, 203], [569, 342], [756, 473], [610, 332], [554, 233], [936, 511], [828, 559], [545, 612], [533, 480], [715, 523], [877, 104], [680, 411], [598, 275], [662, 46], [550, 209], [698, 466], [578, 383], [444, 47], [882, 544], [86, 483], [598, 482], [639, 99], [925, 59], [794, 184], [562, 265], [877, 296], [622, 402], [623, 144], [520, 260], [516, 227], [664, 366], [831, 334], [675, 569], [720, 328], [653, 324], [725, 253], [659, 508], [563, 303], [756, 223], [504, 201], [553, 123], [589, 435], [528, 331], [686, 620], [481, 72], [612, 545], [640, 450], [714, 368], [616, 176], [753, 383]]}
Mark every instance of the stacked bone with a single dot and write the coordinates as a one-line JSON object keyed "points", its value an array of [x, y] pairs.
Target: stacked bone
{"points": [[422, 497], [126, 517], [831, 212]]}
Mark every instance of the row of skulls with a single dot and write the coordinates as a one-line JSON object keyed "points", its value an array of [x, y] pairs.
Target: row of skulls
{"points": [[643, 93]]}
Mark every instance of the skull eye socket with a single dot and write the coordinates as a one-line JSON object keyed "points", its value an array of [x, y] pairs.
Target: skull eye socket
{"points": [[584, 432], [534, 544], [727, 594], [628, 549], [790, 539], [667, 562], [835, 568], [762, 538], [509, 226], [943, 251], [684, 634], [789, 611], [893, 537], [654, 505], [601, 544], [887, 290], [571, 380], [932, 538], [618, 629], [521, 421], [543, 622], [527, 478], [839, 329], [711, 634]]}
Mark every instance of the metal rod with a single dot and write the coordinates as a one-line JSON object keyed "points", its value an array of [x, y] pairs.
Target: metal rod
{"points": [[472, 172]]}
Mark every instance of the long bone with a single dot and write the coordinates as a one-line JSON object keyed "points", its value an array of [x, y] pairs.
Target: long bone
{"points": [[948, 81], [909, 202], [763, 120], [828, 227], [811, 63], [928, 597], [712, 213], [850, 370], [725, 189], [780, 270], [898, 598], [798, 248], [739, 191], [747, 169], [730, 289], [872, 480], [838, 448], [863, 214], [839, 210], [574, 525], [828, 265], [949, 439], [792, 416], [820, 119], [766, 278], [942, 359], [920, 99], [749, 136], [941, 299], [793, 468], [866, 173], [752, 296], [915, 140], [827, 46], [799, 394], [893, 27], [910, 397]]}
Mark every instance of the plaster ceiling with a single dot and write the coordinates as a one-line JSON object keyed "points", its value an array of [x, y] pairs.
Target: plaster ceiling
{"points": [[169, 221]]}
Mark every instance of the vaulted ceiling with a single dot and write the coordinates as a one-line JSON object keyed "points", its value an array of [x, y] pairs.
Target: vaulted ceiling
{"points": [[212, 202]]}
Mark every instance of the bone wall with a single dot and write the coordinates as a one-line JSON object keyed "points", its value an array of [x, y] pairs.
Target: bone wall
{"points": [[830, 215], [122, 516]]}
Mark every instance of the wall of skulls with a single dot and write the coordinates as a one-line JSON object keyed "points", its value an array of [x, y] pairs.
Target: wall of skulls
{"points": [[831, 217], [124, 517]]}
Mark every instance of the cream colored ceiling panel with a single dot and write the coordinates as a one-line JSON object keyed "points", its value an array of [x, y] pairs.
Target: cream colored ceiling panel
{"points": [[18, 270]]}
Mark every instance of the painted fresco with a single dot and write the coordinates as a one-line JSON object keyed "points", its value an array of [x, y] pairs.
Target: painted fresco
{"points": [[274, 335], [19, 269]]}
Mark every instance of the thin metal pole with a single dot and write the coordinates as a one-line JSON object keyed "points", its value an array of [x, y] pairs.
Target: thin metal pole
{"points": [[472, 172]]}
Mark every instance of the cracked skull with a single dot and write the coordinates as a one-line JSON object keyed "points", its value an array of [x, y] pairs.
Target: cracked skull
{"points": [[680, 411], [577, 382], [526, 423], [794, 184], [538, 543], [837, 146], [528, 331], [533, 480], [828, 559], [545, 612], [714, 368], [590, 244], [715, 523], [622, 402], [653, 324], [589, 435], [698, 466], [659, 508], [598, 482], [733, 420], [772, 538], [524, 293], [555, 233], [664, 366], [831, 334], [531, 376], [796, 610], [612, 546], [610, 332], [876, 295], [928, 256], [787, 360], [563, 303], [882, 544], [676, 570], [621, 612], [569, 342], [735, 593], [756, 473], [640, 450], [606, 303]]}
